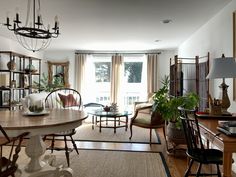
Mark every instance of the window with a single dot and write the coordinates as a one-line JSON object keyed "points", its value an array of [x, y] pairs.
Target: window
{"points": [[102, 71], [98, 73], [133, 83]]}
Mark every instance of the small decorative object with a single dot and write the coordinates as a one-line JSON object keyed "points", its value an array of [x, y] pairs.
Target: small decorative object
{"points": [[36, 106], [14, 102], [30, 69], [36, 109], [4, 80], [215, 106], [26, 81], [107, 108], [13, 84], [114, 107], [11, 65]]}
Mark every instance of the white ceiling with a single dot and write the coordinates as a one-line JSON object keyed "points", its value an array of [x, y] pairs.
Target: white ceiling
{"points": [[118, 24]]}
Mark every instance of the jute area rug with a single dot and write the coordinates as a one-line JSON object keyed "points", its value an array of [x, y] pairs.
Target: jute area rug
{"points": [[140, 135], [105, 163]]}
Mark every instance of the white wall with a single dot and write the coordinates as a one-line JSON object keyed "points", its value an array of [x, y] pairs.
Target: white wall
{"points": [[61, 56], [164, 63], [216, 37], [11, 45]]}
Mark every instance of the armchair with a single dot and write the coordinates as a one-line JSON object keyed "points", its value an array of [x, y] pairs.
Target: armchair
{"points": [[144, 117]]}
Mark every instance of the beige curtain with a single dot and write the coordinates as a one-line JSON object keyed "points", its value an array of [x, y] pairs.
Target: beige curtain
{"points": [[152, 78], [80, 60], [116, 77]]}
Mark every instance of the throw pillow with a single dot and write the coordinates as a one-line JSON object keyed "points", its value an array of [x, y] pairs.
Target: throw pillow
{"points": [[68, 100]]}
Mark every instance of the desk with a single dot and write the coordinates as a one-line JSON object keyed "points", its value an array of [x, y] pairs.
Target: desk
{"points": [[15, 123], [111, 116], [207, 125]]}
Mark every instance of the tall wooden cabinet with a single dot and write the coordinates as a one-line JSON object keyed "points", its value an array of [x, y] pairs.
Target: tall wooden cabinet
{"points": [[17, 74]]}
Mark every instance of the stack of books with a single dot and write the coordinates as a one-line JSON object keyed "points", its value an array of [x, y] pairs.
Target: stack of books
{"points": [[227, 127]]}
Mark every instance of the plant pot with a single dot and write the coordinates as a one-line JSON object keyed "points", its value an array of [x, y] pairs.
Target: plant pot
{"points": [[174, 137], [175, 134]]}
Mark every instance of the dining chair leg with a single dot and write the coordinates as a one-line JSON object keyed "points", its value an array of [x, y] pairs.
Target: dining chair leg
{"points": [[199, 170], [131, 132], [218, 170], [93, 122], [189, 168], [67, 152], [150, 141], [52, 143], [74, 145]]}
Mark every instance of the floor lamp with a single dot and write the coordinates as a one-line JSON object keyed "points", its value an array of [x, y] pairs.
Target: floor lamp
{"points": [[224, 67]]}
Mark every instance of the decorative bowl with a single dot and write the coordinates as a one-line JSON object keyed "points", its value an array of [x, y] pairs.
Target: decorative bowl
{"points": [[107, 108]]}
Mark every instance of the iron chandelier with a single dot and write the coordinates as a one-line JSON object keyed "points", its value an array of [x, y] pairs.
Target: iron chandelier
{"points": [[34, 36]]}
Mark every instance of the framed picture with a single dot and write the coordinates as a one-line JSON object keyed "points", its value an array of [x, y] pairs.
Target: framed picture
{"points": [[234, 52]]}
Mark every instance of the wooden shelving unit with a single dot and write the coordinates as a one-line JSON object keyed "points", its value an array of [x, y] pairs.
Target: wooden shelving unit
{"points": [[18, 80]]}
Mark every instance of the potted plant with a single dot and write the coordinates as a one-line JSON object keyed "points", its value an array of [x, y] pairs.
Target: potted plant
{"points": [[43, 85], [167, 106]]}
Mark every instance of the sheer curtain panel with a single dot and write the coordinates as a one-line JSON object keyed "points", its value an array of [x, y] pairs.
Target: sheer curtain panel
{"points": [[80, 62], [152, 79], [117, 61]]}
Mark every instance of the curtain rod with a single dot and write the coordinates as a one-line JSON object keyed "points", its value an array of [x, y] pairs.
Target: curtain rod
{"points": [[117, 52]]}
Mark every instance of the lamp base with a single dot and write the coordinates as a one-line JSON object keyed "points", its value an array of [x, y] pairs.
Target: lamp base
{"points": [[225, 113], [225, 104]]}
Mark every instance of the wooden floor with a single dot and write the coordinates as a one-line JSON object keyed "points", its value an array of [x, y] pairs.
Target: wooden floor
{"points": [[177, 163]]}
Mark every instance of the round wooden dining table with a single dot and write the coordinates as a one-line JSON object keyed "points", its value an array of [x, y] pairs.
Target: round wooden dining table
{"points": [[53, 121]]}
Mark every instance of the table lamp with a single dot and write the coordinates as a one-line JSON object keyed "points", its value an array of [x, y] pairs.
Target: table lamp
{"points": [[224, 67]]}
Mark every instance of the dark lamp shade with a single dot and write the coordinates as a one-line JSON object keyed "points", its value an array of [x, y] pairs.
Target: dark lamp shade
{"points": [[222, 68]]}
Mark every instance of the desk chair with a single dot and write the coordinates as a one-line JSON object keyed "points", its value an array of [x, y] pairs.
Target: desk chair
{"points": [[144, 117], [8, 165], [64, 98], [195, 148]]}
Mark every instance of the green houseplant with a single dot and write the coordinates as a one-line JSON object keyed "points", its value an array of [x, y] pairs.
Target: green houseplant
{"points": [[167, 106], [45, 86]]}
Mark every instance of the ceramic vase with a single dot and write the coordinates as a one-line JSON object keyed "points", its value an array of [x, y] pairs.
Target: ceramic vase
{"points": [[11, 65]]}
